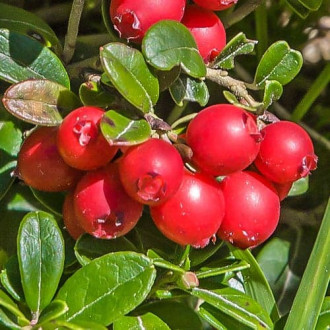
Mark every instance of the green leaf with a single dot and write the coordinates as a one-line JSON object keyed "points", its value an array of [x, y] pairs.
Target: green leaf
{"points": [[40, 249], [198, 256], [167, 44], [299, 187], [147, 321], [273, 92], [167, 78], [53, 311], [92, 93], [255, 283], [6, 321], [162, 263], [324, 317], [237, 305], [129, 73], [189, 89], [280, 63], [25, 22], [307, 303], [108, 287], [88, 247], [77, 325], [39, 102], [231, 98], [25, 58], [311, 4], [239, 45], [123, 129], [298, 8], [105, 5]]}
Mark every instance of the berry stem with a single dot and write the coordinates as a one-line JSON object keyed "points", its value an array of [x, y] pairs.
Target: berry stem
{"points": [[176, 113]]}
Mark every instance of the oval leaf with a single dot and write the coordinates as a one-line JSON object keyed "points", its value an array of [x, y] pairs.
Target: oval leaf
{"points": [[168, 44], [129, 73], [39, 102], [108, 287], [25, 22], [40, 249], [299, 187], [22, 58], [121, 130], [273, 92], [147, 321], [280, 63]]}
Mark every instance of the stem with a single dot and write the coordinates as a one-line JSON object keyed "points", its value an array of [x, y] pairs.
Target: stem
{"points": [[312, 94], [176, 113], [261, 29], [183, 120], [73, 27], [54, 14], [76, 69], [244, 10]]}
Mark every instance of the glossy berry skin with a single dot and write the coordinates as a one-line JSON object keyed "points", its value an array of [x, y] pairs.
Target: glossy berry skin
{"points": [[207, 30], [252, 209], [80, 141], [40, 165], [102, 206], [282, 189], [151, 172], [194, 213], [286, 152], [132, 18], [70, 220], [215, 4], [224, 139]]}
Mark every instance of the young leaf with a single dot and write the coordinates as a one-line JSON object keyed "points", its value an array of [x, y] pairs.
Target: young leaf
{"points": [[273, 92], [25, 22], [108, 287], [237, 305], [39, 102], [162, 263], [280, 63], [298, 8], [239, 45], [92, 93], [25, 58], [129, 73], [147, 321], [168, 44], [40, 249], [299, 187], [123, 129], [52, 312], [189, 89]]}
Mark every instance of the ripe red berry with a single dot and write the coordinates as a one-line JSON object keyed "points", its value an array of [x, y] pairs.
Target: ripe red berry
{"points": [[70, 219], [207, 29], [215, 4], [194, 213], [286, 152], [252, 209], [224, 139], [151, 172], [40, 165], [283, 189], [132, 18], [80, 141], [102, 206]]}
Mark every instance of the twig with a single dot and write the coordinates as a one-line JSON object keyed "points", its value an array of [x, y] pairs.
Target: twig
{"points": [[73, 27]]}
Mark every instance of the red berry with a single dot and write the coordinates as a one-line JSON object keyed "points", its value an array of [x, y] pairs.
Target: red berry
{"points": [[151, 172], [252, 209], [132, 18], [80, 141], [102, 206], [224, 139], [40, 165], [207, 29], [70, 220], [194, 213], [215, 4], [286, 152], [283, 189]]}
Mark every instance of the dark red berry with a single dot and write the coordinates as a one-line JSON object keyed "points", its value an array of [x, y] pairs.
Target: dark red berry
{"points": [[252, 209], [151, 172], [286, 152], [283, 189], [215, 4], [194, 213]]}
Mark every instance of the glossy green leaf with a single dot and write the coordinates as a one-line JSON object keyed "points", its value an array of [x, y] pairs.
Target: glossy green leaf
{"points": [[6, 322], [280, 63], [77, 325], [25, 58], [307, 303], [53, 311], [40, 249], [231, 98], [189, 89], [168, 44], [25, 22], [92, 93], [272, 93], [162, 263], [299, 187], [129, 73], [324, 317], [198, 256], [255, 283], [147, 321], [237, 305], [298, 8], [167, 78], [124, 129], [40, 102], [88, 247], [239, 45], [108, 287]]}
